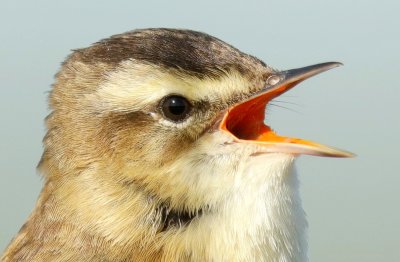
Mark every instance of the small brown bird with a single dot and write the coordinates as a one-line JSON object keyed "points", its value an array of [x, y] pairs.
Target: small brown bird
{"points": [[157, 150]]}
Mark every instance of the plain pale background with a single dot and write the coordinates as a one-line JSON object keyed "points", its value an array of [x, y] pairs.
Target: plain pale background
{"points": [[352, 204]]}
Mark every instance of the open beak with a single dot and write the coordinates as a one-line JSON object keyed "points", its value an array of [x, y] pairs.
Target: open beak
{"points": [[245, 120]]}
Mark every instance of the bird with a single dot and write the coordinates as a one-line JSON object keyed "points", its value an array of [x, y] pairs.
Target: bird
{"points": [[157, 149]]}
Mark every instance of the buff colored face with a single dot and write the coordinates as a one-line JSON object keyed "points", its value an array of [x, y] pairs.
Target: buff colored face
{"points": [[182, 121]]}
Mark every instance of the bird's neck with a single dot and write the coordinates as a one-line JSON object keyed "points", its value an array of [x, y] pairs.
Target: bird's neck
{"points": [[260, 220]]}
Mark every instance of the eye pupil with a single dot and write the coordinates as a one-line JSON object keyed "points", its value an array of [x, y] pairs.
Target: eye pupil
{"points": [[175, 108]]}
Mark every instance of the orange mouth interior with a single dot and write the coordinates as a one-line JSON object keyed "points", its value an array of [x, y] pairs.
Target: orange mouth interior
{"points": [[245, 121]]}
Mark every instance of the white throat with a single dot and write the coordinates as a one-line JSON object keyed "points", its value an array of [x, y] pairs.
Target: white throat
{"points": [[261, 219]]}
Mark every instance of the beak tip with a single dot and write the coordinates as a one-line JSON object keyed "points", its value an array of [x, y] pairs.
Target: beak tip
{"points": [[341, 153], [331, 65], [351, 155], [337, 64]]}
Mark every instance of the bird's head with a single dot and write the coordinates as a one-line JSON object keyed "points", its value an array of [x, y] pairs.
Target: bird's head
{"points": [[176, 114]]}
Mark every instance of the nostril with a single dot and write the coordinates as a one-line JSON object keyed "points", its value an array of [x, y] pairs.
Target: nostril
{"points": [[273, 80]]}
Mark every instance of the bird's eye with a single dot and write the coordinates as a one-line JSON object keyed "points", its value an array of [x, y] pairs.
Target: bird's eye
{"points": [[175, 108]]}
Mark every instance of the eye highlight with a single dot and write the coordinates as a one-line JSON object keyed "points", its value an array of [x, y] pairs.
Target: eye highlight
{"points": [[175, 108]]}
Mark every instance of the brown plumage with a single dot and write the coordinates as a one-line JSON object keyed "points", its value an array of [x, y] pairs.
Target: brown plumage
{"points": [[125, 183]]}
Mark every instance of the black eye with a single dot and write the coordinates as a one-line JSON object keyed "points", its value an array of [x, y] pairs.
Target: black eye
{"points": [[175, 108]]}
